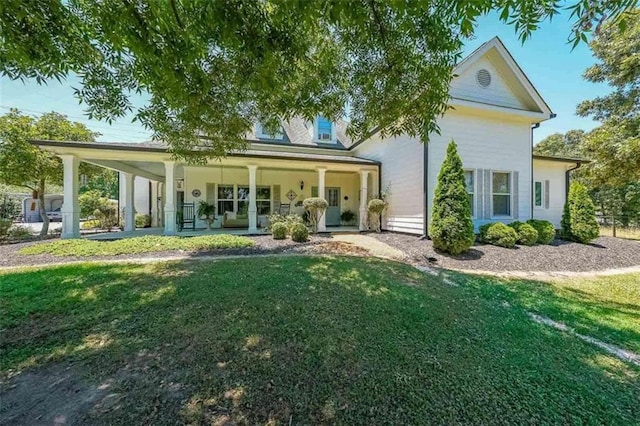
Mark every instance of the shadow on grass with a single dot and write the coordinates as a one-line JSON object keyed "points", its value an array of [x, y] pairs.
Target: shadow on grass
{"points": [[301, 340]]}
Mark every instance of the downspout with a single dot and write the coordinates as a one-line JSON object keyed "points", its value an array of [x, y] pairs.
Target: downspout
{"points": [[380, 189], [425, 188], [567, 180], [535, 126]]}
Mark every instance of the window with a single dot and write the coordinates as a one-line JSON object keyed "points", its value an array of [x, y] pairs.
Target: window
{"points": [[262, 132], [263, 200], [538, 194], [225, 199], [470, 185], [243, 201], [501, 185], [323, 130]]}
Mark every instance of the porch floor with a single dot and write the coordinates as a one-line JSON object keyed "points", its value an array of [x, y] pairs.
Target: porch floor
{"points": [[116, 235]]}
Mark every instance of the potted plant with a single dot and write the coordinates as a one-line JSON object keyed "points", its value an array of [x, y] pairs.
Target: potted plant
{"points": [[207, 212], [347, 217]]}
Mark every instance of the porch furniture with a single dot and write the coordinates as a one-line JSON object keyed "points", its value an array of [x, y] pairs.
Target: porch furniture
{"points": [[285, 209], [186, 215], [235, 220]]}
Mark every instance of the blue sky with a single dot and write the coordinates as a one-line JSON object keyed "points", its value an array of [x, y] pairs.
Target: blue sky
{"points": [[546, 58]]}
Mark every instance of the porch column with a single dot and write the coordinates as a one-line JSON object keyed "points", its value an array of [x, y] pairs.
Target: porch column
{"points": [[169, 198], [322, 222], [129, 202], [153, 201], [70, 209], [364, 193], [253, 207]]}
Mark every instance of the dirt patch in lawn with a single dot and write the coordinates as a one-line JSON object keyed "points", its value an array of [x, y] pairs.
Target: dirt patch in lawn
{"points": [[602, 254]]}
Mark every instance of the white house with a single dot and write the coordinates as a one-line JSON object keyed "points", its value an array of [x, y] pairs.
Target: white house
{"points": [[495, 109]]}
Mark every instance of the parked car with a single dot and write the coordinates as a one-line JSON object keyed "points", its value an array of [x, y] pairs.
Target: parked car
{"points": [[55, 215]]}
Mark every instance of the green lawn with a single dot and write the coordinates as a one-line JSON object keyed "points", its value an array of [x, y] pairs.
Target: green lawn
{"points": [[301, 340], [606, 307], [84, 247]]}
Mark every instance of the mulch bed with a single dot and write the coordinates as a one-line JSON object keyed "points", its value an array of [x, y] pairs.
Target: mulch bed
{"points": [[264, 244], [603, 253]]}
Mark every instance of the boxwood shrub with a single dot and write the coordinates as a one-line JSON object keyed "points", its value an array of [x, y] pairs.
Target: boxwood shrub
{"points": [[279, 231], [501, 235], [299, 232], [546, 230], [527, 234]]}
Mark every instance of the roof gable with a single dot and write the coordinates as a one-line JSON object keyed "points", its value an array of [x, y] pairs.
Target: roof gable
{"points": [[509, 86]]}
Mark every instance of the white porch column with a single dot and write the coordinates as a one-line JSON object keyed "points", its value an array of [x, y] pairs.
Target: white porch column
{"points": [[322, 222], [253, 207], [153, 195], [169, 198], [70, 209], [364, 193], [129, 202]]}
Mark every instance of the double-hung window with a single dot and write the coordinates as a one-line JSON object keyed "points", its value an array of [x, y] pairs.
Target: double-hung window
{"points": [[225, 199], [501, 187], [263, 200], [469, 182], [324, 129], [243, 200]]}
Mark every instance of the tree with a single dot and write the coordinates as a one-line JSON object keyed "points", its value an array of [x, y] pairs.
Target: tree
{"points": [[23, 164], [451, 225], [561, 145], [615, 145], [579, 218], [214, 68]]}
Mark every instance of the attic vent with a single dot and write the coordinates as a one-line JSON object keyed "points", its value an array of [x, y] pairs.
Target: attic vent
{"points": [[483, 77]]}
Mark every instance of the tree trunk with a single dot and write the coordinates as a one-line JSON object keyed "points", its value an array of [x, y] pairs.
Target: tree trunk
{"points": [[43, 211]]}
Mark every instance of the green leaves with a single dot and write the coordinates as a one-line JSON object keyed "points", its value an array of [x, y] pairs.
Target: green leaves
{"points": [[215, 68]]}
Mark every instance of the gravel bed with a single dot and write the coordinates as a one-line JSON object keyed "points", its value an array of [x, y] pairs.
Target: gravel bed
{"points": [[264, 244], [603, 253]]}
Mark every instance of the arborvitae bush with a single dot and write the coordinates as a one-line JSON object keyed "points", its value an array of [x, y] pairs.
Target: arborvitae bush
{"points": [[579, 216], [451, 225]]}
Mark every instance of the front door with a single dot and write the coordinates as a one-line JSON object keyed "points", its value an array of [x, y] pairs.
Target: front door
{"points": [[332, 195]]}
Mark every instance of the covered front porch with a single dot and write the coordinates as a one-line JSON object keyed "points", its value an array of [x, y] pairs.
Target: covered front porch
{"points": [[245, 188]]}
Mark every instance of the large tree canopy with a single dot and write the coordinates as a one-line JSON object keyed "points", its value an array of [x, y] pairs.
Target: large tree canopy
{"points": [[615, 145], [215, 67], [23, 164]]}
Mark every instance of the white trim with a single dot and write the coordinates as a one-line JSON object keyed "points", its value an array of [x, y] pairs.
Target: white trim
{"points": [[491, 193]]}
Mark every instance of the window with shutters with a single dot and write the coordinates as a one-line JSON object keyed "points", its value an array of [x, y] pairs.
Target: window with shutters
{"points": [[501, 191], [538, 194], [469, 181]]}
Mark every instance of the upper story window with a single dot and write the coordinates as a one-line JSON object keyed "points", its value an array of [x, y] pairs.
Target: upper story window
{"points": [[323, 130], [263, 133]]}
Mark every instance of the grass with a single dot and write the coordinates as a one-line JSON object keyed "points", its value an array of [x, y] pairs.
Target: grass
{"points": [[628, 233], [146, 244], [305, 340], [606, 307]]}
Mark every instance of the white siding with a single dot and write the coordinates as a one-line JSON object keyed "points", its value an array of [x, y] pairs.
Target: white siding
{"points": [[402, 178], [498, 93], [554, 172], [485, 143]]}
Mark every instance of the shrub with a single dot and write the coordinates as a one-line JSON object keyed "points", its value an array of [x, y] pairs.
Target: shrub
{"points": [[375, 208], [451, 225], [19, 232], [546, 230], [316, 208], [5, 224], [279, 231], [501, 235], [527, 234], [107, 216], [288, 220], [89, 202], [347, 216], [299, 233], [482, 231], [90, 224], [143, 220], [207, 212], [579, 217]]}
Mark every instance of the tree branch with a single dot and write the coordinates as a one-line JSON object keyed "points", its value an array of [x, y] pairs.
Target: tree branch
{"points": [[175, 13]]}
